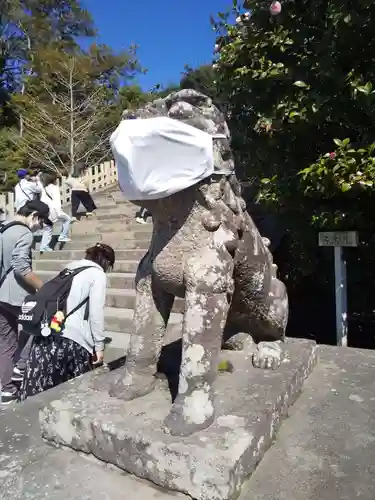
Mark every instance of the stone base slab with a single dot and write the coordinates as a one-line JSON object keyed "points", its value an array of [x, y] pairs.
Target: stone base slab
{"points": [[209, 465]]}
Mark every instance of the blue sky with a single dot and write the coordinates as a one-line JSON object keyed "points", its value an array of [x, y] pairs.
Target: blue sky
{"points": [[169, 33]]}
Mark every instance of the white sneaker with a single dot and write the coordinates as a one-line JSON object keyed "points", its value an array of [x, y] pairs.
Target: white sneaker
{"points": [[64, 240], [140, 220], [46, 249], [17, 375]]}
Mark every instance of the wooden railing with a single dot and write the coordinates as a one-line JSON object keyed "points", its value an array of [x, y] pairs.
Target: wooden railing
{"points": [[99, 177]]}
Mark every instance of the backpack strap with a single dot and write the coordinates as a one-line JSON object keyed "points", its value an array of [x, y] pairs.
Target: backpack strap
{"points": [[47, 193], [27, 196], [86, 300], [3, 228]]}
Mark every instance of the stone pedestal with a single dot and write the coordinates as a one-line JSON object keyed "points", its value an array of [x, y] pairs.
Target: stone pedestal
{"points": [[208, 465]]}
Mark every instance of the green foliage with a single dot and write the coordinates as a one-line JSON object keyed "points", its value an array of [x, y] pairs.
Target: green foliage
{"points": [[345, 169], [9, 162], [161, 91], [201, 79], [301, 101], [129, 97], [296, 83], [39, 41]]}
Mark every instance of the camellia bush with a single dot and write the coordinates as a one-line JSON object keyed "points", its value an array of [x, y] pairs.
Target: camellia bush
{"points": [[300, 94]]}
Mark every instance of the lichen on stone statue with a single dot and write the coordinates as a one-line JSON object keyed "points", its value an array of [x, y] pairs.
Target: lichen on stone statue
{"points": [[206, 248]]}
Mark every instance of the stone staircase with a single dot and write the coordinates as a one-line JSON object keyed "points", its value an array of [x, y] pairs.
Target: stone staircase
{"points": [[114, 224]]}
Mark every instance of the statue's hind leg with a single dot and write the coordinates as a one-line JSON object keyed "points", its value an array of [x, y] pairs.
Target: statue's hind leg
{"points": [[152, 310], [208, 290], [270, 354]]}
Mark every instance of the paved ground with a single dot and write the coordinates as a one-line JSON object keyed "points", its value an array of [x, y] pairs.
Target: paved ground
{"points": [[324, 451]]}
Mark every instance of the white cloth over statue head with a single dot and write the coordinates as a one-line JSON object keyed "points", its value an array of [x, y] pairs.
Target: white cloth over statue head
{"points": [[157, 157]]}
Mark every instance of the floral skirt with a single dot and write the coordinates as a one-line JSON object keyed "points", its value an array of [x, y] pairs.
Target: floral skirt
{"points": [[52, 361]]}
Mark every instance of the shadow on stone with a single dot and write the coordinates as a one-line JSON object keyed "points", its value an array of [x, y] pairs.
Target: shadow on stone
{"points": [[169, 365]]}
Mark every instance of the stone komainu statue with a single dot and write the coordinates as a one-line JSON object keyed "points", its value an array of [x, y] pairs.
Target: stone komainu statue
{"points": [[206, 248]]}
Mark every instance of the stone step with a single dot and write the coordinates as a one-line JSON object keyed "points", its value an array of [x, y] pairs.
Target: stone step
{"points": [[112, 205], [106, 204], [125, 234], [100, 214], [121, 320], [69, 255], [114, 196], [125, 299], [120, 291], [118, 281], [99, 226], [124, 228], [121, 266], [111, 215], [115, 240], [82, 229], [118, 320], [118, 197], [115, 341], [100, 202]]}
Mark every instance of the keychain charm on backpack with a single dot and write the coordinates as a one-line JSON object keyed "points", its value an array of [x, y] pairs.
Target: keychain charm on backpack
{"points": [[57, 322], [45, 330]]}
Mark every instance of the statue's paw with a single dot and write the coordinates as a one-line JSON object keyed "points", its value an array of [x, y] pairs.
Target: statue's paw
{"points": [[190, 414], [239, 342], [268, 355], [132, 386]]}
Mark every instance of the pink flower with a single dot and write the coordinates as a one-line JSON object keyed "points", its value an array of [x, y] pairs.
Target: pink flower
{"points": [[332, 156], [275, 8]]}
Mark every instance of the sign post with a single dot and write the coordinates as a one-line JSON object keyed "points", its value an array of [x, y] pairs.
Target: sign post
{"points": [[338, 240]]}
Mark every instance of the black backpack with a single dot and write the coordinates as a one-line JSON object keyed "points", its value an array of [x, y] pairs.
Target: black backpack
{"points": [[3, 227], [44, 312]]}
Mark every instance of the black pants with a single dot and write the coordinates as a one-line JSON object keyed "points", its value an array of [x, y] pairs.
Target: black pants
{"points": [[8, 346], [82, 197], [14, 347], [52, 361]]}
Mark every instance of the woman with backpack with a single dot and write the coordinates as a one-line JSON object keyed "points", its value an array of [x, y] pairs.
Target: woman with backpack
{"points": [[51, 196], [73, 341]]}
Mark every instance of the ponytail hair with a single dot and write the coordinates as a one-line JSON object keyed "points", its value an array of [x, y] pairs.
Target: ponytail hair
{"points": [[49, 178], [103, 255]]}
